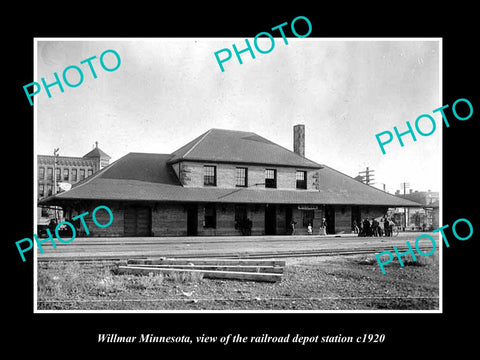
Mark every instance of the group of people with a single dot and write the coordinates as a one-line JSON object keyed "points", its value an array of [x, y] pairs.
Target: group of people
{"points": [[373, 227], [367, 227], [323, 227]]}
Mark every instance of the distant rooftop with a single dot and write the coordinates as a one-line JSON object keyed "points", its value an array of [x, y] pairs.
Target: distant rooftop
{"points": [[97, 152]]}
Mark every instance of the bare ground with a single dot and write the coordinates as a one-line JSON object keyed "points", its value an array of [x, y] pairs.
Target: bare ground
{"points": [[352, 282]]}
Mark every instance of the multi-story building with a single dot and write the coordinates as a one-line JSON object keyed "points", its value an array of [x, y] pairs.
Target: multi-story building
{"points": [[56, 173], [219, 182]]}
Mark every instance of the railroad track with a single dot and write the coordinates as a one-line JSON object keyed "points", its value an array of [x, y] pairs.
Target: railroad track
{"points": [[226, 255]]}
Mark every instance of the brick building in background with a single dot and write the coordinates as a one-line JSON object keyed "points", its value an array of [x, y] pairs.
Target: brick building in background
{"points": [[424, 218], [56, 173], [213, 184]]}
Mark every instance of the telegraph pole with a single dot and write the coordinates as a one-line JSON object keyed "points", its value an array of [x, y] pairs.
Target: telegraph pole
{"points": [[405, 185], [55, 155], [368, 177]]}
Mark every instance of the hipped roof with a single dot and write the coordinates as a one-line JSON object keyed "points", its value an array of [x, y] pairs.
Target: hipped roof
{"points": [[150, 178], [97, 153], [231, 146]]}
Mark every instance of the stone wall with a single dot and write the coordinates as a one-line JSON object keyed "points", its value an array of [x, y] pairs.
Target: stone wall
{"points": [[191, 175], [170, 219]]}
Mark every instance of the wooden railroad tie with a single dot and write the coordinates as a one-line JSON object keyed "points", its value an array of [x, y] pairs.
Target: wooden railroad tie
{"points": [[246, 270]]}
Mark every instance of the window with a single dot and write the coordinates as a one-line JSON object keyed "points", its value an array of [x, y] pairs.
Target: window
{"points": [[49, 189], [41, 190], [210, 216], [65, 174], [74, 174], [241, 177], [82, 174], [307, 217], [301, 177], [41, 173], [49, 173], [58, 173], [210, 175], [270, 178], [89, 172]]}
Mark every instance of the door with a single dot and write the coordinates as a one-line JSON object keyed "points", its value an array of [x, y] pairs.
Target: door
{"points": [[192, 220], [137, 221], [288, 220], [330, 218], [270, 219], [356, 216]]}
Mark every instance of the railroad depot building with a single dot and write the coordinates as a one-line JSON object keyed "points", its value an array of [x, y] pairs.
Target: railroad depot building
{"points": [[213, 184]]}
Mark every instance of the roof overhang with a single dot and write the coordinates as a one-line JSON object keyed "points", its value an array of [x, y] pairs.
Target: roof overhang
{"points": [[133, 190]]}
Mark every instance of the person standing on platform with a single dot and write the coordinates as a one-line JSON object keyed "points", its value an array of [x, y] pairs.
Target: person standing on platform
{"points": [[292, 226], [323, 227], [374, 227], [355, 227], [366, 227], [386, 226]]}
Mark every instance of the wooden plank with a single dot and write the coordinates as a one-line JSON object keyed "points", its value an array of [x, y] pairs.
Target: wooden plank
{"points": [[221, 262], [242, 268], [208, 274]]}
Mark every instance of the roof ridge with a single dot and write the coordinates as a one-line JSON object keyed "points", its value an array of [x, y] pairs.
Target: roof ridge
{"points": [[148, 153], [232, 130], [282, 147], [198, 142], [292, 152], [232, 139]]}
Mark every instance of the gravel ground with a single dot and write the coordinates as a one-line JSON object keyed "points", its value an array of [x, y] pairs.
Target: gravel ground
{"points": [[311, 283]]}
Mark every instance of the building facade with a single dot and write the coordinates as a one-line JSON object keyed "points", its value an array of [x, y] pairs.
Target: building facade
{"points": [[423, 218], [224, 183], [56, 173]]}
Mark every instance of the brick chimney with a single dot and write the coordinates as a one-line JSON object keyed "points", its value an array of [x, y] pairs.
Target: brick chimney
{"points": [[299, 139]]}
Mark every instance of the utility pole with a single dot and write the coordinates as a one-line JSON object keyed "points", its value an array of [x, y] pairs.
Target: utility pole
{"points": [[55, 155], [384, 187], [368, 177], [405, 185]]}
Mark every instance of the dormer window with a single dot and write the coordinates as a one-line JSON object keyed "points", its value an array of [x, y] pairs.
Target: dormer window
{"points": [[210, 175], [241, 177], [301, 177], [270, 178]]}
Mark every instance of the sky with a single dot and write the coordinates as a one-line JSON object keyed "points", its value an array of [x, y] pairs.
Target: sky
{"points": [[168, 91]]}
